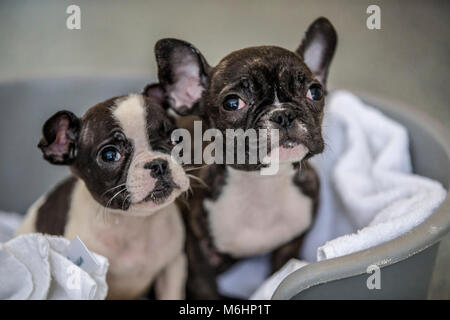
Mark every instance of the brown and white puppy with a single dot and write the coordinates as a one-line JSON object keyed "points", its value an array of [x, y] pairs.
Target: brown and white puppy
{"points": [[120, 199], [244, 213]]}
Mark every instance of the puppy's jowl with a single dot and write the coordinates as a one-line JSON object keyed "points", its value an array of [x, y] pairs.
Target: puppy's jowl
{"points": [[120, 199], [244, 213]]}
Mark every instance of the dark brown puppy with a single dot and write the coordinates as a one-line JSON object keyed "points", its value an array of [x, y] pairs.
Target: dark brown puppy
{"points": [[243, 213]]}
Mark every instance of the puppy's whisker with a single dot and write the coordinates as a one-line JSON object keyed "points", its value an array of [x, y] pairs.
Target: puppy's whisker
{"points": [[188, 192], [110, 201], [197, 179], [185, 202], [124, 200], [109, 190], [196, 168]]}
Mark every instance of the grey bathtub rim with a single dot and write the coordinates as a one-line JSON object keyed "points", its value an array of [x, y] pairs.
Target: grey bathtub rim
{"points": [[426, 234]]}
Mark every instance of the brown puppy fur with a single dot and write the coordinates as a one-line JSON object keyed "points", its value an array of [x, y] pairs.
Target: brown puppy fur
{"points": [[243, 213]]}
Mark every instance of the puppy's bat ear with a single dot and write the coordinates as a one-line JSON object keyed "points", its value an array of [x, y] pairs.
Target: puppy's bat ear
{"points": [[318, 47], [60, 138], [182, 72], [155, 92]]}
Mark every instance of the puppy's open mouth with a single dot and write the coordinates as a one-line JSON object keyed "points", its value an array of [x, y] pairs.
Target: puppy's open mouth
{"points": [[162, 190]]}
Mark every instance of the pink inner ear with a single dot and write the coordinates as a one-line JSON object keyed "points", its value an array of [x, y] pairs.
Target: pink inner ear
{"points": [[186, 89], [155, 92], [186, 92], [61, 144]]}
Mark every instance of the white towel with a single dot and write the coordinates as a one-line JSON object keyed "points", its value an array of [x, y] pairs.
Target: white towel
{"points": [[266, 290], [371, 187], [33, 266]]}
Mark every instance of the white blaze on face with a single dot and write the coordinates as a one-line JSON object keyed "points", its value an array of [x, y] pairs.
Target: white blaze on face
{"points": [[131, 114], [132, 117], [276, 101]]}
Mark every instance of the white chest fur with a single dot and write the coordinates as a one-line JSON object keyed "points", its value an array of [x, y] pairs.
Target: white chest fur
{"points": [[255, 214], [138, 248]]}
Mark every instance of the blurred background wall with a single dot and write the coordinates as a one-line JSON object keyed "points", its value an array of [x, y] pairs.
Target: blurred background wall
{"points": [[407, 60]]}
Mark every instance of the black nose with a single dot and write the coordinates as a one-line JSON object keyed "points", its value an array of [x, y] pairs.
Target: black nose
{"points": [[284, 118], [158, 167]]}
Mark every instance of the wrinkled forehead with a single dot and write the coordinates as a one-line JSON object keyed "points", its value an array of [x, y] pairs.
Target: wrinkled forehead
{"points": [[98, 123], [264, 61], [128, 114]]}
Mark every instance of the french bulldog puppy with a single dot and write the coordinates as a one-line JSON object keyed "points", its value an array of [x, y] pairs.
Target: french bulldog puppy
{"points": [[243, 213], [120, 199]]}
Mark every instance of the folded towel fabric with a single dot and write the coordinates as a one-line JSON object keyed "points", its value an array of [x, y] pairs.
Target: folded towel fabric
{"points": [[34, 266], [266, 290], [371, 187]]}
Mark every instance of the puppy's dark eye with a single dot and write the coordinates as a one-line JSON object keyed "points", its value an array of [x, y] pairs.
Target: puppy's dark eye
{"points": [[110, 154], [233, 103], [314, 92]]}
